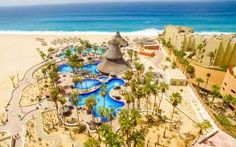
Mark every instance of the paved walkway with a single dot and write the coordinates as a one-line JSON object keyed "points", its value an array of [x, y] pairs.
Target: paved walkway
{"points": [[198, 108], [17, 116]]}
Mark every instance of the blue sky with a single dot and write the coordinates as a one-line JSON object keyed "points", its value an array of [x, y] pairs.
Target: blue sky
{"points": [[38, 2]]}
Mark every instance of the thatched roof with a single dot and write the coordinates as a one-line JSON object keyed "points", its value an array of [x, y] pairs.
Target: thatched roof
{"points": [[114, 53], [113, 62], [113, 67]]}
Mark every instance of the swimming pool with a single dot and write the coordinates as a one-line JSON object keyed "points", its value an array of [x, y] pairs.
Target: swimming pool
{"points": [[109, 102], [65, 68], [92, 68], [99, 51], [87, 84]]}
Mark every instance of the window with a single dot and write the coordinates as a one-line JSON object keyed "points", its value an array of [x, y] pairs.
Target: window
{"points": [[233, 91], [223, 88], [225, 84]]}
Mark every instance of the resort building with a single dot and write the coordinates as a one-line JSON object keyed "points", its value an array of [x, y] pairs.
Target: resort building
{"points": [[113, 62], [147, 46], [216, 50], [211, 52], [229, 83], [175, 77]]}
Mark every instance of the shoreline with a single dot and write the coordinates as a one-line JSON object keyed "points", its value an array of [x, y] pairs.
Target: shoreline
{"points": [[144, 32]]}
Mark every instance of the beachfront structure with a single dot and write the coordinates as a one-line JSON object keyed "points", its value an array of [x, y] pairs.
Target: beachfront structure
{"points": [[175, 77], [147, 46], [221, 47], [113, 62], [228, 86]]}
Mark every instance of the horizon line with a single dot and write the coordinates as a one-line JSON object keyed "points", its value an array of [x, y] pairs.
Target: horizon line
{"points": [[104, 2]]}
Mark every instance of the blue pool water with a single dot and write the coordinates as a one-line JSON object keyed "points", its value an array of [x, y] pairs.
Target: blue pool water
{"points": [[91, 68], [87, 84], [103, 78], [109, 102], [99, 51], [65, 68]]}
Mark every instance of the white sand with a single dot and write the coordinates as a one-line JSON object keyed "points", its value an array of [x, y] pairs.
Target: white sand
{"points": [[18, 53]]}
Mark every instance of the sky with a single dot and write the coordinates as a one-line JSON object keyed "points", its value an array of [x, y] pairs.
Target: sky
{"points": [[39, 2]]}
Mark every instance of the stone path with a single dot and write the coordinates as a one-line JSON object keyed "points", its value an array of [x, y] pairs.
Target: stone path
{"points": [[17, 116]]}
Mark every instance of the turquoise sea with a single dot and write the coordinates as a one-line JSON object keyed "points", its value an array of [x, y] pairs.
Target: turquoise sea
{"points": [[218, 16]]}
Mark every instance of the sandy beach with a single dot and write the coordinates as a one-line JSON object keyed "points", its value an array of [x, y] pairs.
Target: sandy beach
{"points": [[18, 53]]}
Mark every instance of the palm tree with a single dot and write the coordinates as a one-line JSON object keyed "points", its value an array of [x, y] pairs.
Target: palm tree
{"points": [[139, 67], [190, 70], [74, 101], [129, 97], [62, 101], [68, 53], [199, 48], [184, 63], [145, 91], [104, 112], [42, 54], [110, 138], [130, 53], [215, 92], [111, 115], [134, 85], [91, 142], [228, 100], [90, 102], [169, 46], [128, 120], [139, 138], [208, 76], [155, 90], [163, 87], [128, 75], [199, 81], [205, 125], [175, 99], [54, 95], [211, 54], [77, 79], [54, 92], [139, 95], [103, 93], [53, 73], [75, 62], [114, 139], [44, 72], [107, 113]]}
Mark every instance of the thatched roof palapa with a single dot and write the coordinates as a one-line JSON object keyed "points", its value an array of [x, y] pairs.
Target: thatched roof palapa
{"points": [[113, 62]]}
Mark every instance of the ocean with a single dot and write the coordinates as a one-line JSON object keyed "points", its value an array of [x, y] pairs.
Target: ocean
{"points": [[131, 17]]}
